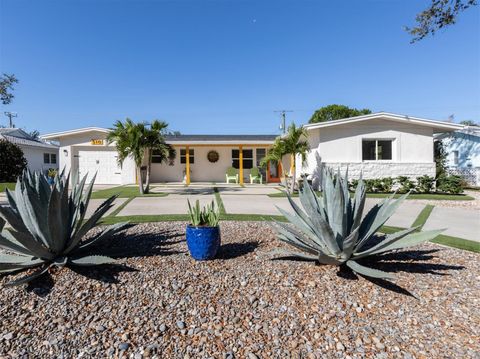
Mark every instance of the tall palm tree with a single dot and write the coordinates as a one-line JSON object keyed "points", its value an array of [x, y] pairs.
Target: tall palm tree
{"points": [[292, 143], [139, 141]]}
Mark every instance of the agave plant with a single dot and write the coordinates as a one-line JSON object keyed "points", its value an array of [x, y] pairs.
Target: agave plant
{"points": [[206, 216], [48, 224], [331, 229]]}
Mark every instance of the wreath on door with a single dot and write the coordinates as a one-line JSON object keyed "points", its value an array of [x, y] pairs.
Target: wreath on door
{"points": [[213, 156]]}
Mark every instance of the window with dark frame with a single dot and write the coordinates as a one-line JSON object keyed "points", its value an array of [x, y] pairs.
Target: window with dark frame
{"points": [[247, 159], [46, 158], [376, 150], [157, 156], [183, 156], [53, 158]]}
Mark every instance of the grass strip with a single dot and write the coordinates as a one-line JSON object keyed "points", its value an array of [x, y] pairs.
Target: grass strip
{"points": [[459, 243], [5, 185], [423, 216], [124, 192], [219, 200], [427, 196]]}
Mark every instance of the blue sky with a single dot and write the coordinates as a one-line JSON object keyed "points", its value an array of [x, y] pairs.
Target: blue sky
{"points": [[225, 66]]}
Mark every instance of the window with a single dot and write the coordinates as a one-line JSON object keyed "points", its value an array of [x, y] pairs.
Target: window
{"points": [[53, 158], [157, 156], [455, 158], [260, 154], [247, 159], [376, 150], [183, 156], [46, 158]]}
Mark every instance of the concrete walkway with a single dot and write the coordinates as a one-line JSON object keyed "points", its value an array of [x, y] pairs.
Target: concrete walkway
{"points": [[462, 223]]}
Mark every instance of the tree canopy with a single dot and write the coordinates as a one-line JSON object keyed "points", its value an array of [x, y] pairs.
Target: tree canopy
{"points": [[469, 123], [440, 13], [336, 112], [6, 87]]}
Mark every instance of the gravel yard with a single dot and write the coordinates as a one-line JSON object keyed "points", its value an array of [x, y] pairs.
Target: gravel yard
{"points": [[163, 304], [471, 204]]}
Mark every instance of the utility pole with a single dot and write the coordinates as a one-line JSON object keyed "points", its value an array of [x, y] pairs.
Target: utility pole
{"points": [[10, 115], [283, 125]]}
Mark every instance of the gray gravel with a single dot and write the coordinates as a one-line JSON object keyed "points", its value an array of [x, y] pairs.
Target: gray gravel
{"points": [[244, 304]]}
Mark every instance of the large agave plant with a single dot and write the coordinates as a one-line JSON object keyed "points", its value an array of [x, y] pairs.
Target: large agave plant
{"points": [[331, 229], [48, 224]]}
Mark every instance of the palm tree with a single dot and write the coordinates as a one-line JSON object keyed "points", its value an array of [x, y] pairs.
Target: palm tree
{"points": [[139, 141], [292, 143]]}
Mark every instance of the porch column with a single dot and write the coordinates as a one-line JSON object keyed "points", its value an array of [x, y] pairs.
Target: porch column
{"points": [[187, 169], [240, 158]]}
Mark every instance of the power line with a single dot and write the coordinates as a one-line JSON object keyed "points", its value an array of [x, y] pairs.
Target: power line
{"points": [[283, 113]]}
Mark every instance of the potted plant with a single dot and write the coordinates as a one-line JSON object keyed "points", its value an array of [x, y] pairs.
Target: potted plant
{"points": [[52, 172], [203, 232]]}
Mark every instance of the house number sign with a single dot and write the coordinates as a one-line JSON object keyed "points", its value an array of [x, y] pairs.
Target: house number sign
{"points": [[96, 142]]}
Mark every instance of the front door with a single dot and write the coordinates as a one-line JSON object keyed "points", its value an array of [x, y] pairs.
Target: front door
{"points": [[274, 171]]}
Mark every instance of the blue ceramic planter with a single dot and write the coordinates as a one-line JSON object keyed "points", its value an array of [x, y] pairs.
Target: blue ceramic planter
{"points": [[203, 242]]}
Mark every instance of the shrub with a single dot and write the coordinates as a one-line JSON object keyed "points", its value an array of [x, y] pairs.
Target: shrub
{"points": [[425, 184], [406, 185], [12, 161], [331, 230], [450, 184], [48, 224]]}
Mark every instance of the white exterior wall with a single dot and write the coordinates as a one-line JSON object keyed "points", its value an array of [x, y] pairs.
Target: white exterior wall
{"points": [[202, 170], [468, 147], [341, 146], [34, 157], [70, 145]]}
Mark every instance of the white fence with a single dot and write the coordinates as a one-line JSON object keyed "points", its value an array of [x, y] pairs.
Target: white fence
{"points": [[470, 175]]}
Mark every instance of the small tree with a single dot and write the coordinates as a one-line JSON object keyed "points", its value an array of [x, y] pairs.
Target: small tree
{"points": [[12, 161], [336, 112], [139, 140], [293, 143]]}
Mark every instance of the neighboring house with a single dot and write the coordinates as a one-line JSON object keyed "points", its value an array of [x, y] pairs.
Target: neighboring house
{"points": [[376, 145], [379, 145], [40, 155], [462, 147], [87, 151], [463, 153]]}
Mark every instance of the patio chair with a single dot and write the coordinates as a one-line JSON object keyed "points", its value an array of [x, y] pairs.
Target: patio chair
{"points": [[255, 175], [232, 174]]}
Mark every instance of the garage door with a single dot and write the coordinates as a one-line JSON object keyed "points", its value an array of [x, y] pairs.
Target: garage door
{"points": [[104, 163]]}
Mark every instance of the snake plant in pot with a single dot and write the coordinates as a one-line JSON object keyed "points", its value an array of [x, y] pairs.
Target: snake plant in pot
{"points": [[330, 229], [203, 232], [48, 224]]}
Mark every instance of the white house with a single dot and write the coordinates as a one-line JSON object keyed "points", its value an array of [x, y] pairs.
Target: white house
{"points": [[380, 145], [463, 153], [87, 151], [40, 155]]}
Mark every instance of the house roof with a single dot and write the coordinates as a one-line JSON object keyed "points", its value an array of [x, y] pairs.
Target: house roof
{"points": [[220, 139], [179, 139], [57, 135], [20, 137], [436, 125]]}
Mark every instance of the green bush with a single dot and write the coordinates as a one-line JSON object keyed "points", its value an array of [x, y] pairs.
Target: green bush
{"points": [[405, 184], [425, 184], [450, 184], [12, 161]]}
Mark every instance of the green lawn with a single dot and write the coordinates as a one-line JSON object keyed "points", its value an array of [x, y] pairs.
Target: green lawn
{"points": [[430, 196], [124, 192], [4, 186]]}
